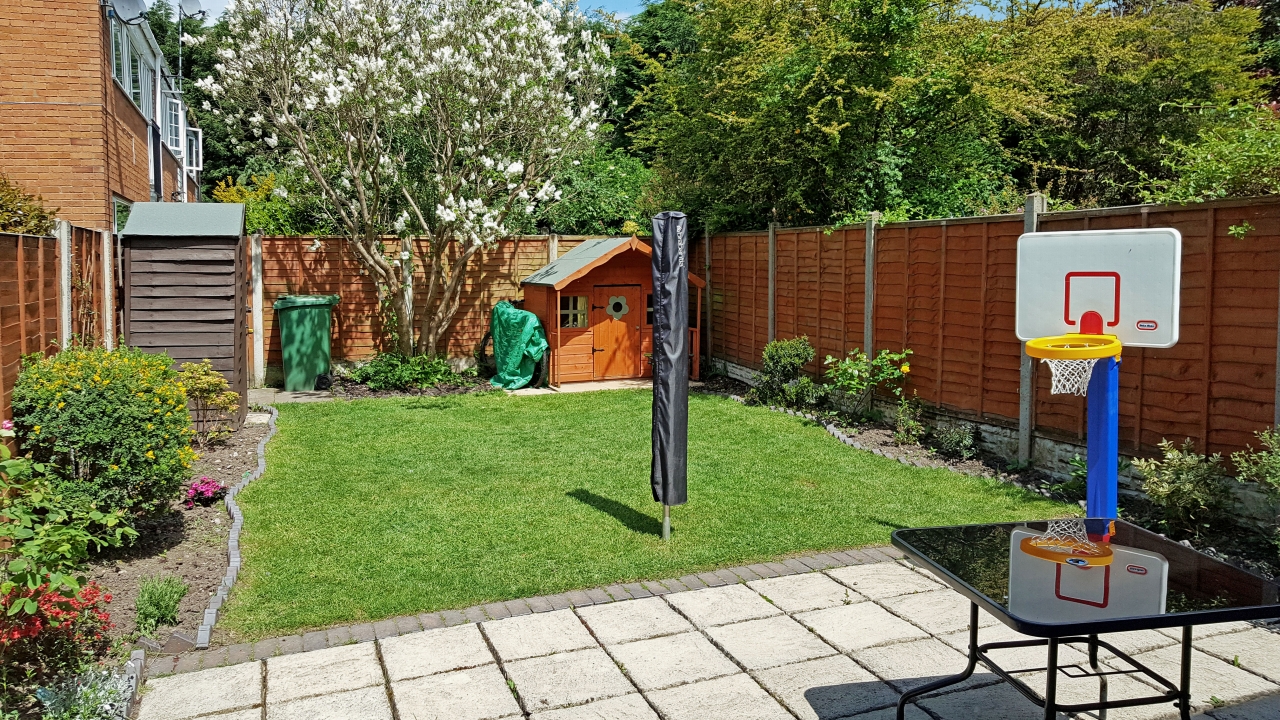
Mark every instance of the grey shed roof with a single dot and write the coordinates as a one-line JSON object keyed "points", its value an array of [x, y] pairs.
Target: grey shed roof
{"points": [[567, 265], [173, 219]]}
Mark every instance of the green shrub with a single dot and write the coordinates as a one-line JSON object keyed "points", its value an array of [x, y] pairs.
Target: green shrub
{"points": [[391, 371], [212, 401], [1261, 466], [907, 427], [157, 604], [858, 376], [1189, 487], [780, 381], [23, 213], [113, 424], [93, 695], [955, 441]]}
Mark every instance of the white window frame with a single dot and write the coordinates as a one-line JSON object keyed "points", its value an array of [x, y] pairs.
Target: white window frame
{"points": [[173, 135], [194, 157]]}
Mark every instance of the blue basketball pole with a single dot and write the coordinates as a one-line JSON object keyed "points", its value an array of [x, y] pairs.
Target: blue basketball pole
{"points": [[1103, 452]]}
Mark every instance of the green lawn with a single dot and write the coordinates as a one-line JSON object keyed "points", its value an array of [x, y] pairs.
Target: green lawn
{"points": [[377, 508]]}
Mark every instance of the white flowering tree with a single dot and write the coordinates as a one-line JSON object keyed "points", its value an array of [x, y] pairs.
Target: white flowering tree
{"points": [[430, 118]]}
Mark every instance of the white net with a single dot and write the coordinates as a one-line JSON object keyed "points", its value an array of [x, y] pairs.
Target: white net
{"points": [[1070, 377], [1067, 535]]}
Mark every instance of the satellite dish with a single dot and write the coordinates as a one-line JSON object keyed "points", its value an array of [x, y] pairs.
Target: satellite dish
{"points": [[190, 8]]}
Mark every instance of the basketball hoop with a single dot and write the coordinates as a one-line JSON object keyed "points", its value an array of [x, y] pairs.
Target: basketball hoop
{"points": [[1067, 542], [1071, 358]]}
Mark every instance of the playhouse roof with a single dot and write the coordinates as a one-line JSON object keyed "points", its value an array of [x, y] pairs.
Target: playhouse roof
{"points": [[170, 219], [587, 256]]}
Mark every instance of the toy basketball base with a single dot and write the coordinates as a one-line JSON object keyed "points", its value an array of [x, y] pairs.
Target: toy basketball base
{"points": [[1074, 346], [1135, 583], [1125, 283]]}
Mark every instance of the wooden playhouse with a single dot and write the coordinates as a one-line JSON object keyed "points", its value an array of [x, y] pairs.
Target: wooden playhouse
{"points": [[596, 304]]}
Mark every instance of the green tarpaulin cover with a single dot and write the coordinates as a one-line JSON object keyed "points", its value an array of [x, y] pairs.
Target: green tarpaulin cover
{"points": [[518, 343]]}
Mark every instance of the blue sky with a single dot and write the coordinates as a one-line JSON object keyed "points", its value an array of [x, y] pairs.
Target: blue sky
{"points": [[621, 7]]}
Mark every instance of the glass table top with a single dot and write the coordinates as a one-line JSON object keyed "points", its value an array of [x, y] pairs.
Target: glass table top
{"points": [[1061, 576]]}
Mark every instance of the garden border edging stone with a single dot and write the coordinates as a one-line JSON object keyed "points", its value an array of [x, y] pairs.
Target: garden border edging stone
{"points": [[205, 633]]}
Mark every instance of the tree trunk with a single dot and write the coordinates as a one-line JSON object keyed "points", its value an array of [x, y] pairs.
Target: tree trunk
{"points": [[437, 316]]}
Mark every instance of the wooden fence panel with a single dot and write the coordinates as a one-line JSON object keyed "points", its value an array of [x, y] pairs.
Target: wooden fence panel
{"points": [[28, 305], [946, 289]]}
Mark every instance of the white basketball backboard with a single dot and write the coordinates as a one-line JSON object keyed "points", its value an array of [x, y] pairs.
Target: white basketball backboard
{"points": [[1114, 282], [1134, 584]]}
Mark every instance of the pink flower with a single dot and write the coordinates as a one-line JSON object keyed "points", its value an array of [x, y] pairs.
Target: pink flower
{"points": [[6, 425]]}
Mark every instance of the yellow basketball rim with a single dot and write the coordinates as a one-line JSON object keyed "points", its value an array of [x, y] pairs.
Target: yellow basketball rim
{"points": [[1074, 346]]}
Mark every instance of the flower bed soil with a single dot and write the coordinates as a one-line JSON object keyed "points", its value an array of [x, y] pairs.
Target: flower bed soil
{"points": [[191, 544], [348, 390]]}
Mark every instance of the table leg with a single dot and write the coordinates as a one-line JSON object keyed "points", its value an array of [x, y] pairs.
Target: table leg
{"points": [[952, 680], [1184, 699], [1102, 679], [1051, 682]]}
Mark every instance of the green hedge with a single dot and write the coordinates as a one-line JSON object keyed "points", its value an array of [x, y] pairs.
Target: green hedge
{"points": [[114, 424]]}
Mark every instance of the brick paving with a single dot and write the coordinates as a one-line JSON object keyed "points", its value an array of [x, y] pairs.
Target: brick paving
{"points": [[777, 640]]}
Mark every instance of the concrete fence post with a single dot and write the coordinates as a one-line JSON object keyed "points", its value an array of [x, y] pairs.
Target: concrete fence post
{"points": [[259, 333], [869, 287], [773, 281], [553, 248], [63, 232], [108, 291], [1027, 374]]}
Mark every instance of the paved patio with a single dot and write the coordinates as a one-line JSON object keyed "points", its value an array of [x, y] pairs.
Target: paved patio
{"points": [[840, 643]]}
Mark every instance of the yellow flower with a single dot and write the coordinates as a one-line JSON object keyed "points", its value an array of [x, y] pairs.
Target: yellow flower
{"points": [[906, 368], [151, 455], [115, 467], [35, 429]]}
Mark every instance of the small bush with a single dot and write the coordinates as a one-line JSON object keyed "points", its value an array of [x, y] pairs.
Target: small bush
{"points": [[1261, 466], [1189, 487], [205, 491], [391, 371], [113, 424], [92, 695], [158, 599], [907, 427], [955, 441], [212, 401], [780, 381], [858, 376]]}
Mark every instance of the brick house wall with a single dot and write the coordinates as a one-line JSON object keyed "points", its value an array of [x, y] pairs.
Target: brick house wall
{"points": [[68, 131]]}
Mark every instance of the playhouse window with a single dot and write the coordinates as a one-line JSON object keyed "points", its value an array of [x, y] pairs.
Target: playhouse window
{"points": [[573, 311], [648, 310]]}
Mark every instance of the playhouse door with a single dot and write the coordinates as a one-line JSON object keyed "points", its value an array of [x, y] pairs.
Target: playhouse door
{"points": [[616, 315]]}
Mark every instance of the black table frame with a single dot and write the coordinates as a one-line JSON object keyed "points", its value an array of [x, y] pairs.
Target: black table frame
{"points": [[1052, 636], [1180, 694]]}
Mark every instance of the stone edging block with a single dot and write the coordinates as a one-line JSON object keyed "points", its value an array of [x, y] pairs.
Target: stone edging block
{"points": [[234, 560]]}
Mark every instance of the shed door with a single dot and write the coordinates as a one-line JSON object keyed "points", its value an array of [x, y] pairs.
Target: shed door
{"points": [[616, 314]]}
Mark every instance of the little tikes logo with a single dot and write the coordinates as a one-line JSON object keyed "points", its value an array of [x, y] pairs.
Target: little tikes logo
{"points": [[1148, 325], [1137, 569]]}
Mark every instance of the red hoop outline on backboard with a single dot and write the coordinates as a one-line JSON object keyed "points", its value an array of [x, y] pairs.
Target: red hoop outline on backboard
{"points": [[1106, 588], [1066, 308]]}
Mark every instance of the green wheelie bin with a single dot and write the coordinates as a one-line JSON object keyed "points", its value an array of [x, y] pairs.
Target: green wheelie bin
{"points": [[304, 337]]}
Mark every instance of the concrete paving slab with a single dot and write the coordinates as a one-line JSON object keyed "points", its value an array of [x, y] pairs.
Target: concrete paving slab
{"points": [[827, 688], [1014, 658], [434, 651], [538, 634], [349, 667], [769, 642], [633, 620], [673, 660], [1080, 690], [178, 697], [1136, 641], [302, 396], [912, 664], [1267, 708], [722, 605], [913, 713], [476, 694], [1210, 677], [939, 611], [364, 704], [862, 625], [1255, 650], [563, 679], [1199, 632], [254, 714], [736, 697], [811, 591], [627, 707], [257, 418], [883, 580], [993, 702]]}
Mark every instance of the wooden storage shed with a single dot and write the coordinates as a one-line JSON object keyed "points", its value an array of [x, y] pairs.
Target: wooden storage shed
{"points": [[596, 304], [186, 288]]}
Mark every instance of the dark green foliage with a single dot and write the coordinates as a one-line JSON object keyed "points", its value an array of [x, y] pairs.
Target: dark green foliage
{"points": [[601, 194], [390, 371], [23, 213], [780, 380], [955, 441], [157, 604], [1191, 488], [113, 425]]}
